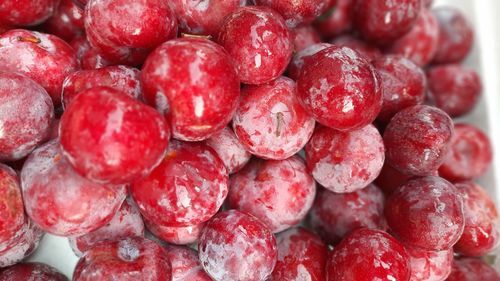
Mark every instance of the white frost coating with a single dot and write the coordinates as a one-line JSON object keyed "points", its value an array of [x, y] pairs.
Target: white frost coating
{"points": [[387, 18], [195, 72], [2, 133], [202, 5], [199, 106], [137, 31], [161, 102], [127, 251], [258, 60], [303, 274], [347, 106], [183, 198]]}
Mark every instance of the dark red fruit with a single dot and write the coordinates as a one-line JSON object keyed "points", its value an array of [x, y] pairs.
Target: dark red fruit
{"points": [[88, 56], [26, 12], [12, 216], [337, 20], [303, 57], [66, 22], [389, 179], [185, 264], [304, 36], [297, 12], [21, 245], [429, 265], [229, 149], [365, 49], [31, 271], [471, 269], [178, 235]]}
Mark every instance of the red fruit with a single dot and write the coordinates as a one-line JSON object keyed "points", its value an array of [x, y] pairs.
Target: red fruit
{"points": [[194, 83], [345, 161], [470, 269], [58, 199], [178, 235], [259, 42], [99, 136], [417, 139], [301, 256], [89, 57], [21, 245], [125, 260], [270, 122], [11, 204], [26, 12], [427, 213], [337, 20], [297, 12], [334, 215], [185, 264], [26, 114], [229, 149], [365, 49], [127, 34], [42, 57], [304, 36], [383, 21], [429, 265], [31, 271], [421, 43], [403, 84], [66, 22], [368, 254], [187, 188], [455, 35], [454, 89], [339, 88], [303, 57], [389, 179], [120, 77], [482, 225], [127, 222], [236, 246], [279, 193], [203, 17]]}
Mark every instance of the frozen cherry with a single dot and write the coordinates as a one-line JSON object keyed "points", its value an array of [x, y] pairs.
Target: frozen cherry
{"points": [[12, 216], [427, 213], [237, 246], [389, 179], [31, 271], [337, 20], [120, 77], [345, 161], [279, 193], [194, 83], [429, 265], [470, 154], [382, 21], [270, 121], [67, 21], [333, 215], [110, 137], [472, 269], [417, 139], [185, 264], [297, 12], [229, 149], [187, 188], [304, 36], [454, 88], [44, 58], [301, 256], [420, 44], [127, 222], [365, 49], [368, 254], [340, 89], [482, 224], [88, 56], [303, 57], [59, 200], [26, 114], [26, 12], [178, 235], [259, 42], [455, 35], [403, 84], [125, 260], [21, 245]]}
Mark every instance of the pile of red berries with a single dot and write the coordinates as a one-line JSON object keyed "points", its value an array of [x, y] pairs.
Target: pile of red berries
{"points": [[138, 127]]}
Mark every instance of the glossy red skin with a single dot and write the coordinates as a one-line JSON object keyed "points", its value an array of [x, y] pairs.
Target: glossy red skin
{"points": [[454, 89], [301, 256], [340, 89], [21, 245], [304, 36], [426, 212], [26, 114], [12, 216], [187, 188], [417, 140], [120, 77], [368, 254], [470, 154], [482, 224], [297, 12], [456, 35], [127, 35], [229, 149], [127, 222], [237, 246], [471, 269], [303, 57], [66, 22], [194, 83], [89, 57], [334, 215], [345, 161], [279, 193], [421, 42], [384, 21], [403, 84], [203, 17], [259, 42], [57, 199], [26, 12], [44, 58], [103, 119], [178, 235], [31, 271], [270, 121], [369, 51], [429, 265], [337, 20], [125, 260], [185, 264]]}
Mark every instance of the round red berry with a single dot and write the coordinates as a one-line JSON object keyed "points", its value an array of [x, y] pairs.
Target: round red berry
{"points": [[12, 216], [365, 49], [304, 36], [297, 12], [185, 264], [229, 149], [21, 245], [303, 57], [31, 271], [429, 265], [471, 269], [26, 12], [337, 20], [88, 56], [67, 21], [178, 235]]}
